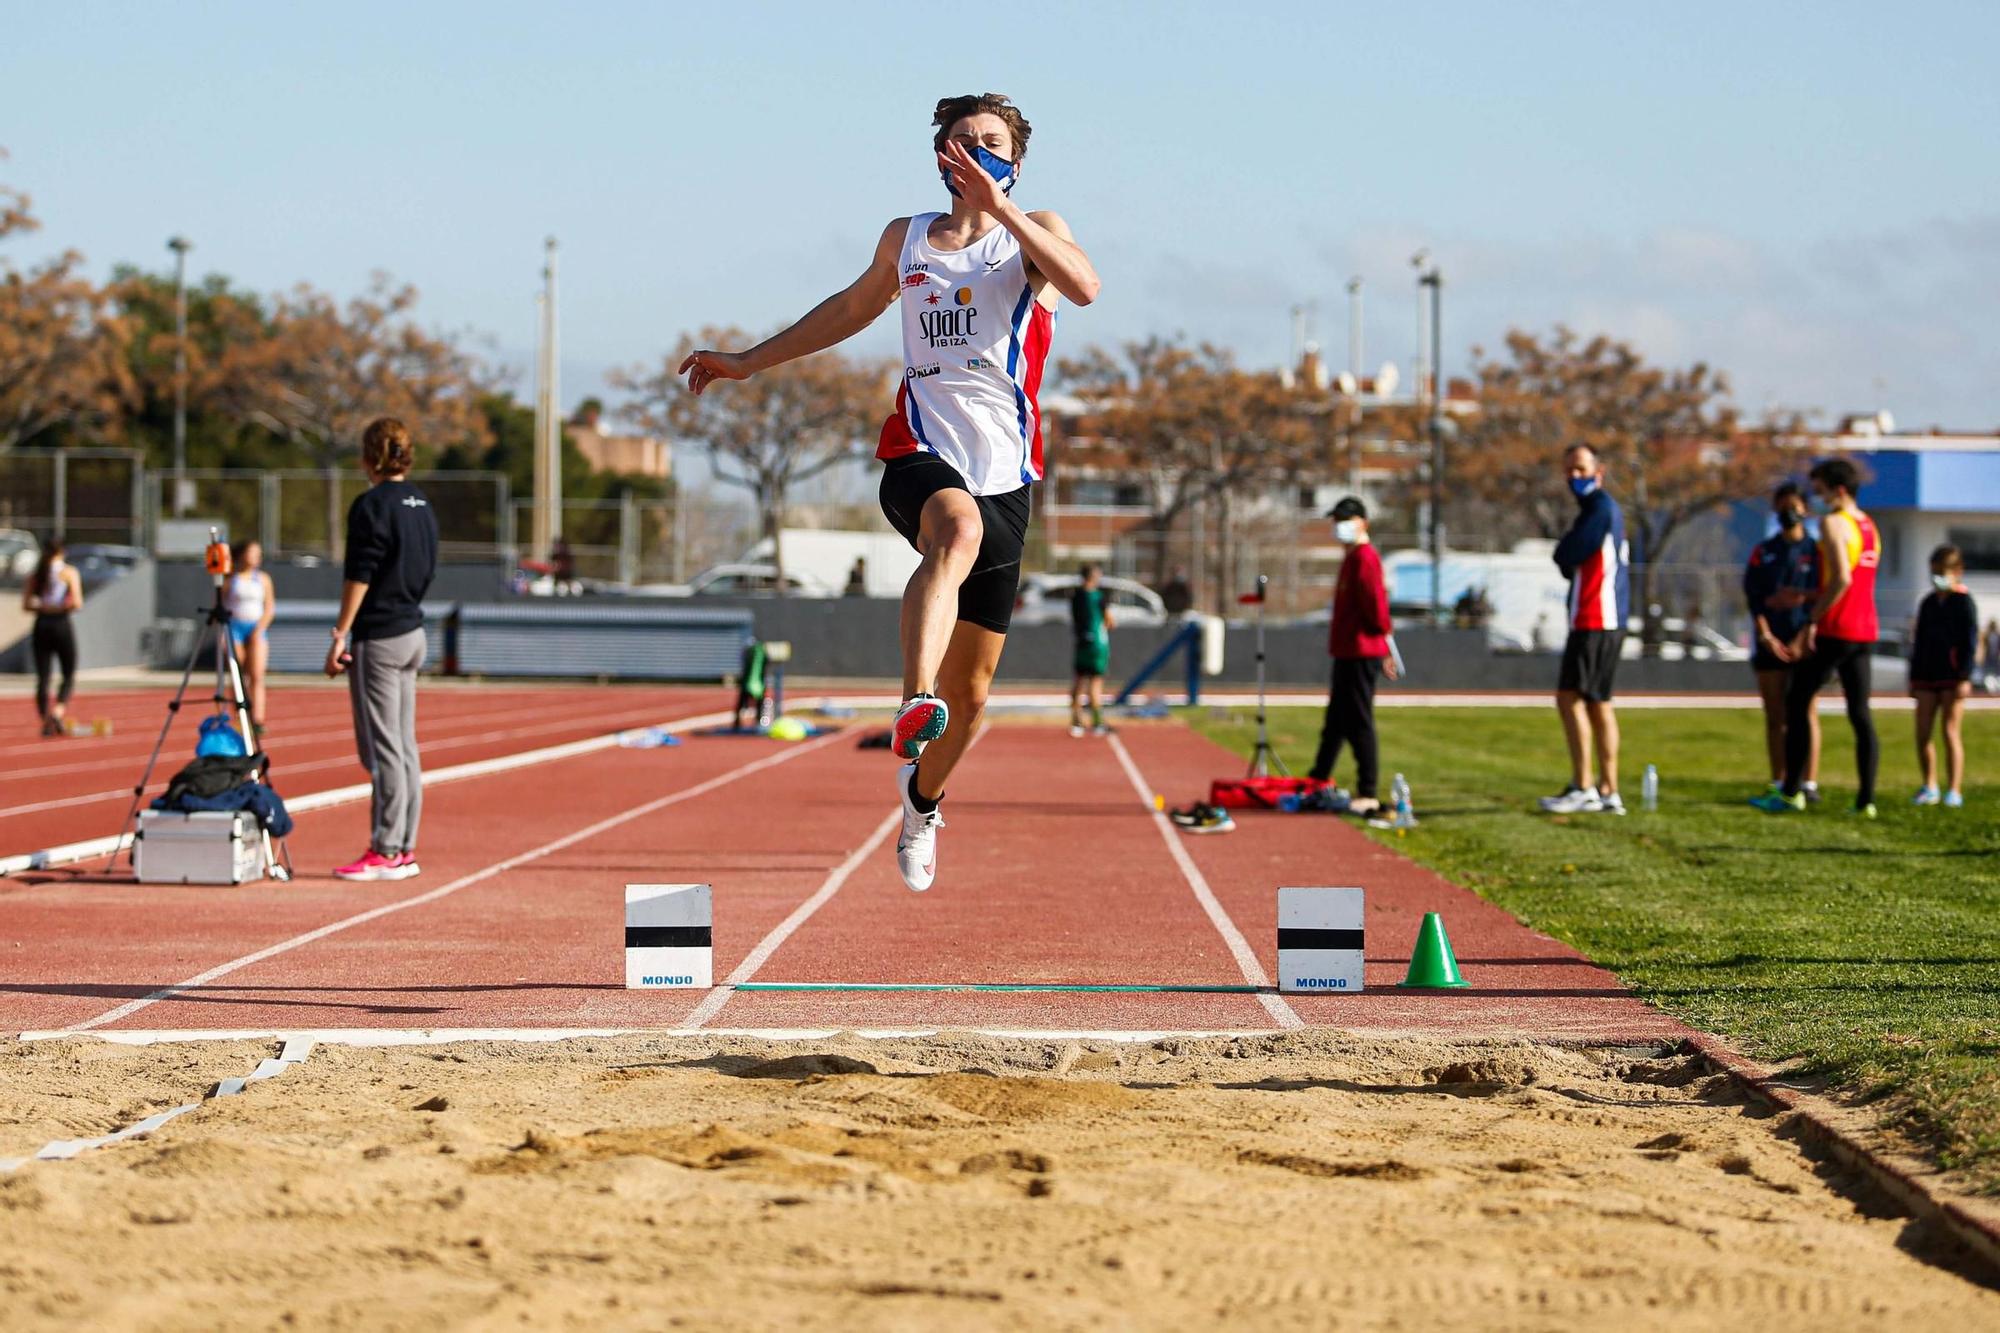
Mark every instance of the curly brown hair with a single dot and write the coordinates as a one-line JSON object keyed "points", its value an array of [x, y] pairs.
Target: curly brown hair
{"points": [[386, 447], [951, 110]]}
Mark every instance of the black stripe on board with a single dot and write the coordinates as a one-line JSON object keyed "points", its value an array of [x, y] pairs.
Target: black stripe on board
{"points": [[669, 937], [1300, 938]]}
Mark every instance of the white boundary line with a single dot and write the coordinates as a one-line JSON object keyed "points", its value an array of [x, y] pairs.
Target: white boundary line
{"points": [[321, 800], [1246, 957], [373, 1037], [464, 881], [711, 1004], [295, 1051]]}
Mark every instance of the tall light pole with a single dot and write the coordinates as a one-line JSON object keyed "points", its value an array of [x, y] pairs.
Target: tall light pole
{"points": [[180, 245], [1354, 326], [546, 525], [1435, 282], [1422, 387]]}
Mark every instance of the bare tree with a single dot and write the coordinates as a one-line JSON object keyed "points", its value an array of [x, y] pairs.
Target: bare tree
{"points": [[769, 433], [1195, 426]]}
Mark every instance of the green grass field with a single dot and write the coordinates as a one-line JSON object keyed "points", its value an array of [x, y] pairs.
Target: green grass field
{"points": [[1867, 951]]}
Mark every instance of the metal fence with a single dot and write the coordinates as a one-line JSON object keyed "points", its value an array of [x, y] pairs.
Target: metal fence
{"points": [[295, 511], [78, 495], [636, 542]]}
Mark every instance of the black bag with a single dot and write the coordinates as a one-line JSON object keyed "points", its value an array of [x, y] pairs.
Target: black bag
{"points": [[210, 775]]}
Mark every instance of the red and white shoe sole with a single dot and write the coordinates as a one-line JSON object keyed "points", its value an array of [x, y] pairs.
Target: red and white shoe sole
{"points": [[918, 726]]}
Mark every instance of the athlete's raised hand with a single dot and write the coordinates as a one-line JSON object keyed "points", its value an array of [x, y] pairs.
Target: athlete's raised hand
{"points": [[704, 367], [969, 179]]}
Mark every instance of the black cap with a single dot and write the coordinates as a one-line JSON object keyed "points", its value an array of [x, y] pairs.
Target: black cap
{"points": [[1349, 507]]}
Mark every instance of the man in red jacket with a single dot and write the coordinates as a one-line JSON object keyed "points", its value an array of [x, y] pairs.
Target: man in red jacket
{"points": [[1358, 639]]}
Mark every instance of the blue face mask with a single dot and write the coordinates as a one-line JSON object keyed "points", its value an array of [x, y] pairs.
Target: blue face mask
{"points": [[1818, 504], [999, 168], [1582, 486]]}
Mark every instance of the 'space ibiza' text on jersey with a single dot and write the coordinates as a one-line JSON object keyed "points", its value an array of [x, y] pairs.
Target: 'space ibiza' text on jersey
{"points": [[974, 343]]}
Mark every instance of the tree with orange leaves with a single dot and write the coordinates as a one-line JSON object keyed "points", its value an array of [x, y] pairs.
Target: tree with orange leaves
{"points": [[323, 371], [1675, 445], [61, 344]]}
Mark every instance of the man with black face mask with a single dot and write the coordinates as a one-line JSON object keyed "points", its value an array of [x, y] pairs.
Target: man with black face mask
{"points": [[1594, 556], [977, 288], [1779, 585]]}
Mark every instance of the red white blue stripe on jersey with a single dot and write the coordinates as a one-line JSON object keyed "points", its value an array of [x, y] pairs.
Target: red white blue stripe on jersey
{"points": [[1597, 560], [1034, 331]]}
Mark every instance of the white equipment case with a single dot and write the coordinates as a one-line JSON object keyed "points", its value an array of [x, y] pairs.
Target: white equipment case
{"points": [[202, 847]]}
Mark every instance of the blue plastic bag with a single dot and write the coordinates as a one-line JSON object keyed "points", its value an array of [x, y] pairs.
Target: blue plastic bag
{"points": [[219, 736]]}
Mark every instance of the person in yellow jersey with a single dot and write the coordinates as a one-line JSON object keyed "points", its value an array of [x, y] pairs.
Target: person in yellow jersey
{"points": [[1839, 635]]}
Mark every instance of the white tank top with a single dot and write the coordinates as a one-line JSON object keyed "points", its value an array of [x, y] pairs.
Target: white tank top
{"points": [[55, 593], [246, 597], [974, 341]]}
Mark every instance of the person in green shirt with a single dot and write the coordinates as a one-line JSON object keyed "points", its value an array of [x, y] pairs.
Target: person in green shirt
{"points": [[1090, 619]]}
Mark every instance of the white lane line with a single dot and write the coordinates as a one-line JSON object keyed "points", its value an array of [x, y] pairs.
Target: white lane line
{"points": [[337, 761], [712, 1003], [320, 800], [371, 1037], [1246, 957], [131, 1007]]}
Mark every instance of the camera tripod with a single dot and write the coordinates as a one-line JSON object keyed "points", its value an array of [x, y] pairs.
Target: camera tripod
{"points": [[229, 693]]}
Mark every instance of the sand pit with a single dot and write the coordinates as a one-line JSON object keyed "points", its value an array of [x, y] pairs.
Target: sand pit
{"points": [[1288, 1182]]}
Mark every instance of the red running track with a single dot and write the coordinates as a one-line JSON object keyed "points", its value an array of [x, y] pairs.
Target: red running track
{"points": [[1053, 868], [57, 791]]}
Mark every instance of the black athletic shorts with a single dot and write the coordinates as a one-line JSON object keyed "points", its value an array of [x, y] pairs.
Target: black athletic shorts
{"points": [[986, 598], [1763, 660], [1590, 662]]}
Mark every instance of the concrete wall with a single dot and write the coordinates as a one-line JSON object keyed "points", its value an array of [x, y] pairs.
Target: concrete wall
{"points": [[107, 629], [858, 637], [185, 590]]}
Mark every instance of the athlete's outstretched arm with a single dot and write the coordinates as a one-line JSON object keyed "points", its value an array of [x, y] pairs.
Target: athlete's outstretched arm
{"points": [[1045, 238], [836, 319]]}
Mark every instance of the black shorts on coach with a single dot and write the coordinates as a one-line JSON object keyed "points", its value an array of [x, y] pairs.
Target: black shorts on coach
{"points": [[986, 598], [1590, 663]]}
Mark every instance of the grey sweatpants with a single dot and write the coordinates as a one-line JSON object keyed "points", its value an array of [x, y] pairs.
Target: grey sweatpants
{"points": [[382, 685]]}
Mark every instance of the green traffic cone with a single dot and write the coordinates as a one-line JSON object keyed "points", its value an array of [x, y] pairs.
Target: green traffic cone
{"points": [[1432, 966]]}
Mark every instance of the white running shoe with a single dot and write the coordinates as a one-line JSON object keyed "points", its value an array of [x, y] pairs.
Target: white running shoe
{"points": [[1609, 803], [1076, 733], [921, 720], [1925, 796], [1573, 801], [916, 848]]}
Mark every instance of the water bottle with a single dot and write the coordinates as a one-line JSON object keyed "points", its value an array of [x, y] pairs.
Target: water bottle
{"points": [[1399, 798], [1649, 794]]}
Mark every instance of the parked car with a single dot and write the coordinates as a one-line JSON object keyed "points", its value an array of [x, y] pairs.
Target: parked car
{"points": [[19, 551], [738, 580], [1709, 644], [97, 564], [1044, 598]]}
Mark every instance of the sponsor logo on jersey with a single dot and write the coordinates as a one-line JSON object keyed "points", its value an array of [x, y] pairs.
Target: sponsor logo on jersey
{"points": [[933, 298], [916, 268], [914, 279], [993, 265], [923, 372], [978, 363], [963, 296], [950, 328]]}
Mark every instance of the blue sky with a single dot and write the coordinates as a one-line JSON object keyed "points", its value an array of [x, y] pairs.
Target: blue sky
{"points": [[1803, 194]]}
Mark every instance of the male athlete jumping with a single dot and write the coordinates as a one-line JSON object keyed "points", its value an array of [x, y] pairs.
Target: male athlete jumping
{"points": [[979, 286]]}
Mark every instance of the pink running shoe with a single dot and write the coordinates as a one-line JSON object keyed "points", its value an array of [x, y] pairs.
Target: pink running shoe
{"points": [[374, 866], [921, 720], [406, 865]]}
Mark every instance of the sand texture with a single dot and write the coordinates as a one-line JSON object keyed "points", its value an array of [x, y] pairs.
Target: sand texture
{"points": [[1307, 1181]]}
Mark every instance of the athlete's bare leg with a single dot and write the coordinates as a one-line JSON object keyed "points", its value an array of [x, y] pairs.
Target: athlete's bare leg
{"points": [[1771, 688], [1076, 701], [963, 681], [948, 536], [1604, 727], [1576, 734], [1952, 705], [1927, 711]]}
